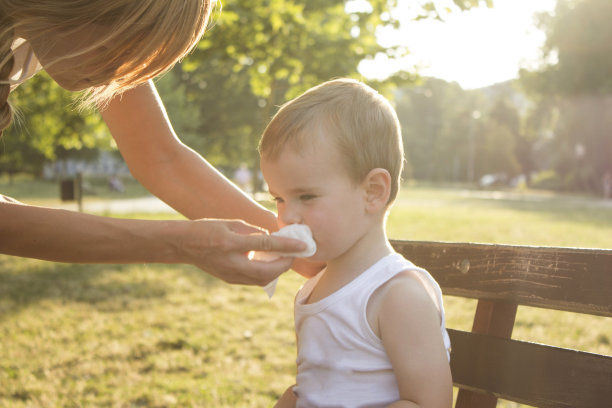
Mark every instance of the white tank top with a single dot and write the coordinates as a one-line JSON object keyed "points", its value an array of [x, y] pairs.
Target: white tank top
{"points": [[341, 362]]}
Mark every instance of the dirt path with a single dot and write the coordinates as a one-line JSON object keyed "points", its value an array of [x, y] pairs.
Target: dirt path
{"points": [[124, 206]]}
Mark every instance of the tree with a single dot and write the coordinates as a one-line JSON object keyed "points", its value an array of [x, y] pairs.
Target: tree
{"points": [[506, 142], [574, 84], [577, 55], [495, 150], [48, 128], [258, 54], [439, 125]]}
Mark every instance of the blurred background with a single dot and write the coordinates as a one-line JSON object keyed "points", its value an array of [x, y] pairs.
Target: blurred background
{"points": [[494, 93], [506, 111]]}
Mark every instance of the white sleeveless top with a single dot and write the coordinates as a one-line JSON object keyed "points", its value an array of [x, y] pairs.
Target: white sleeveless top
{"points": [[340, 361]]}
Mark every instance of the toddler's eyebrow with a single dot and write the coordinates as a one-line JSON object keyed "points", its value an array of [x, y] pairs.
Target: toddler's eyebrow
{"points": [[302, 190], [297, 190]]}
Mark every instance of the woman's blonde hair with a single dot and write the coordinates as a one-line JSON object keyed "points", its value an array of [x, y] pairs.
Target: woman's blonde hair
{"points": [[360, 122], [145, 38]]}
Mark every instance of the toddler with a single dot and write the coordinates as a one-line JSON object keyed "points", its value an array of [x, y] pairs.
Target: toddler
{"points": [[370, 326]]}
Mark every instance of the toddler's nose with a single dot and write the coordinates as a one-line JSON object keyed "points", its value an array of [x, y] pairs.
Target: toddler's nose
{"points": [[291, 215]]}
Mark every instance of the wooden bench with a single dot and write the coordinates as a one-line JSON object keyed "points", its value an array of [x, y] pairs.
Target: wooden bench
{"points": [[486, 363]]}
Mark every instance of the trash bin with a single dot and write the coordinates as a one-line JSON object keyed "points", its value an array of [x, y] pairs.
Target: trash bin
{"points": [[67, 190], [70, 190]]}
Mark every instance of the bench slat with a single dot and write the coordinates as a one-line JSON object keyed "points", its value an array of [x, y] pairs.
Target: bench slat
{"points": [[530, 373], [570, 279], [494, 318]]}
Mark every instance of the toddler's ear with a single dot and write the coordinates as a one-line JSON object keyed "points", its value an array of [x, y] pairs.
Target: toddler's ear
{"points": [[377, 187]]}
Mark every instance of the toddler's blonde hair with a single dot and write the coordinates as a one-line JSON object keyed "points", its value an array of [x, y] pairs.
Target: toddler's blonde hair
{"points": [[361, 123]]}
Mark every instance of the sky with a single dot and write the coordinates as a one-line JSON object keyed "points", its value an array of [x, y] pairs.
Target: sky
{"points": [[476, 48]]}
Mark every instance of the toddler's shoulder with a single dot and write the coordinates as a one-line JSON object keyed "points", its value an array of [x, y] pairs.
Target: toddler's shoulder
{"points": [[403, 297], [408, 287]]}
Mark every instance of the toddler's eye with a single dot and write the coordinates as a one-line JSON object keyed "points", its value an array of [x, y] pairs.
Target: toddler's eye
{"points": [[306, 197], [278, 200]]}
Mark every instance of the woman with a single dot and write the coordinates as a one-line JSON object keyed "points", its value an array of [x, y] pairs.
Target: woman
{"points": [[112, 49]]}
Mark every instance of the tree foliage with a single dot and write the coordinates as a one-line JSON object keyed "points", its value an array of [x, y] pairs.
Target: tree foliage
{"points": [[451, 134], [577, 56], [259, 54], [573, 90], [48, 127], [256, 55]]}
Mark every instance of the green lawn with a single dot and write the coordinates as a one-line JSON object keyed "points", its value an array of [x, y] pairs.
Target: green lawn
{"points": [[164, 336], [47, 192]]}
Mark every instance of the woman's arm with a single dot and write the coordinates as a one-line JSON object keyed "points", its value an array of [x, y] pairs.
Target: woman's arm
{"points": [[409, 327], [175, 173], [169, 169], [218, 247]]}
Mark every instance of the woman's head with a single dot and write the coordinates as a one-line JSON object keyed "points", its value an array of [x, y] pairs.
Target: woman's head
{"points": [[105, 46]]}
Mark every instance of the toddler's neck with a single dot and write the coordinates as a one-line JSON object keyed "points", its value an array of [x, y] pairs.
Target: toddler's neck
{"points": [[342, 270]]}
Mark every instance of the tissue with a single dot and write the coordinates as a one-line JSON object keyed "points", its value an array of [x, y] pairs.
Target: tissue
{"points": [[296, 231]]}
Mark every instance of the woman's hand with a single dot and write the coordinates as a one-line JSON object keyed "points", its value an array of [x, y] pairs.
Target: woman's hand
{"points": [[221, 248]]}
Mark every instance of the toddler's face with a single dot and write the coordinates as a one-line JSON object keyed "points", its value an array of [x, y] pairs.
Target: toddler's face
{"points": [[312, 187]]}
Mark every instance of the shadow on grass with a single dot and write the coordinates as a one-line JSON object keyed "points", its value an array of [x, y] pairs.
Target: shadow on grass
{"points": [[26, 281]]}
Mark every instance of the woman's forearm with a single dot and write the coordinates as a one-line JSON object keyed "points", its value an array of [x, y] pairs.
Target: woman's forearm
{"points": [[67, 236], [197, 190], [169, 169]]}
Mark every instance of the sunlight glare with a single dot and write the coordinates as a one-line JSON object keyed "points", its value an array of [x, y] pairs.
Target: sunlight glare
{"points": [[476, 48]]}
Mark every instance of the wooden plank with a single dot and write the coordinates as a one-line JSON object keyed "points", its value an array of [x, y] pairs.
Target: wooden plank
{"points": [[473, 399], [571, 279], [529, 373], [495, 319]]}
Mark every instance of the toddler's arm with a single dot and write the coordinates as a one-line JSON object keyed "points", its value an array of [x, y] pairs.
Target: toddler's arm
{"points": [[287, 400], [409, 326]]}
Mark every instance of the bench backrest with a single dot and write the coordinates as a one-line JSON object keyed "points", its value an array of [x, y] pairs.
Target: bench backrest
{"points": [[486, 363]]}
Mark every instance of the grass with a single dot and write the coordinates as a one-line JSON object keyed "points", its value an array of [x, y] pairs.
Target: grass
{"points": [[534, 218], [138, 335], [47, 192], [171, 336]]}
